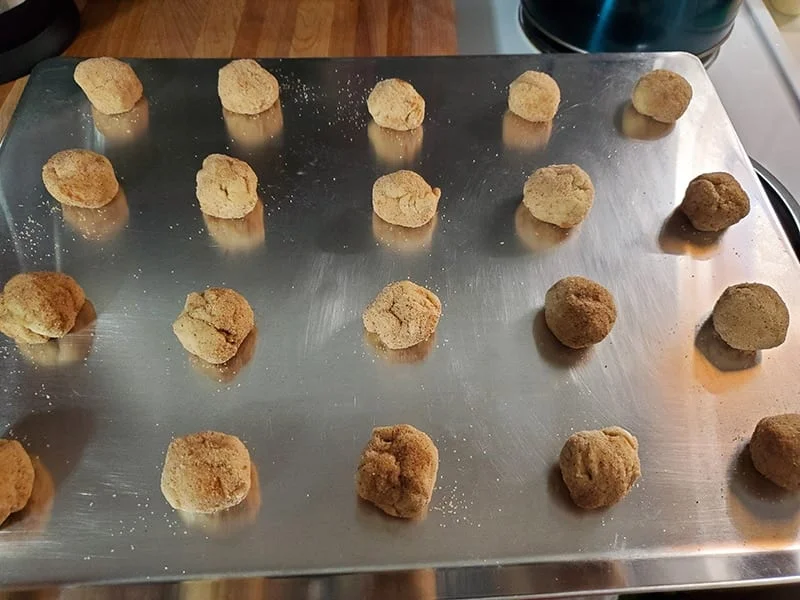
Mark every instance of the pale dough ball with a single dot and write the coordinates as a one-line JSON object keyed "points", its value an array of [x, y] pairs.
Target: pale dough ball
{"points": [[395, 104], [404, 198], [559, 194], [247, 88], [226, 187], [534, 96], [403, 314], [579, 311], [751, 316], [775, 450], [16, 478], [80, 178], [206, 472], [110, 84], [715, 201], [662, 95], [398, 470], [599, 467], [214, 324]]}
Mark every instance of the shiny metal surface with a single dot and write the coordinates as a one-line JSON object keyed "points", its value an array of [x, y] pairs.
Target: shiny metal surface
{"points": [[494, 390]]}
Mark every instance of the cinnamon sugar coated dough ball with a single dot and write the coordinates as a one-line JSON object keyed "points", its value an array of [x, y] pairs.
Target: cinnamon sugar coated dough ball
{"points": [[715, 201], [579, 311], [398, 470], [662, 95], [80, 178], [206, 472], [599, 467], [16, 478], [214, 324], [403, 314], [226, 187], [534, 96], [751, 316], [395, 104], [110, 84], [404, 198], [559, 194], [775, 450], [39, 306], [247, 88]]}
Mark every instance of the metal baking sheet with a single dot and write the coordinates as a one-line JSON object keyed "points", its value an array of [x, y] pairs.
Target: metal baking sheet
{"points": [[493, 389]]}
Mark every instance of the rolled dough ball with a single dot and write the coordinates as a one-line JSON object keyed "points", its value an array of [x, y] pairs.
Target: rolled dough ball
{"points": [[110, 84], [599, 467], [579, 311], [403, 314], [404, 198], [206, 472], [80, 178], [775, 450], [395, 104], [398, 470], [16, 478], [214, 324], [662, 95], [751, 316], [534, 96], [226, 187], [559, 194], [715, 201], [247, 88]]}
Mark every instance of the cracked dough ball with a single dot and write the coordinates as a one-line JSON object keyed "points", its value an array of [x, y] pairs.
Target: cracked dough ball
{"points": [[246, 88], [579, 311], [599, 467], [80, 178], [662, 95], [534, 96], [715, 201], [402, 315], [397, 470], [214, 324], [559, 194], [751, 316], [16, 478], [404, 198], [110, 84], [775, 450], [206, 472], [38, 306], [395, 104], [226, 187]]}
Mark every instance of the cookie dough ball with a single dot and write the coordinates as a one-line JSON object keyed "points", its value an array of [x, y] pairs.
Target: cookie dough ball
{"points": [[226, 187], [662, 95], [775, 450], [579, 311], [397, 470], [404, 198], [206, 472], [403, 315], [395, 104], [534, 96], [70, 349], [39, 306], [559, 194], [714, 202], [214, 324], [246, 88], [110, 84], [80, 178], [16, 478], [751, 316]]}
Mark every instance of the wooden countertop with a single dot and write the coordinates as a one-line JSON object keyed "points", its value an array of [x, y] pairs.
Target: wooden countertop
{"points": [[256, 28]]}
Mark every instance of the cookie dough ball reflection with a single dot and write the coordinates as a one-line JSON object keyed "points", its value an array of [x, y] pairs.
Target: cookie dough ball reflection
{"points": [[68, 350], [405, 240], [238, 235], [535, 234], [751, 316], [395, 148], [521, 134], [411, 355], [641, 127], [227, 372], [98, 224], [775, 450], [126, 126], [253, 131]]}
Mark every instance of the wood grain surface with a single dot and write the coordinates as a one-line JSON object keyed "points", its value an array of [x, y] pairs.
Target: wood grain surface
{"points": [[259, 28]]}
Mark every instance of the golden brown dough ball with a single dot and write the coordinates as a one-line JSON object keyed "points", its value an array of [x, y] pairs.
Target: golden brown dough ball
{"points": [[559, 194], [599, 467], [403, 314], [404, 198], [395, 104], [247, 88], [80, 178], [110, 84], [662, 95], [16, 478], [715, 201], [226, 187], [775, 450], [579, 311], [751, 316], [534, 96], [397, 470]]}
